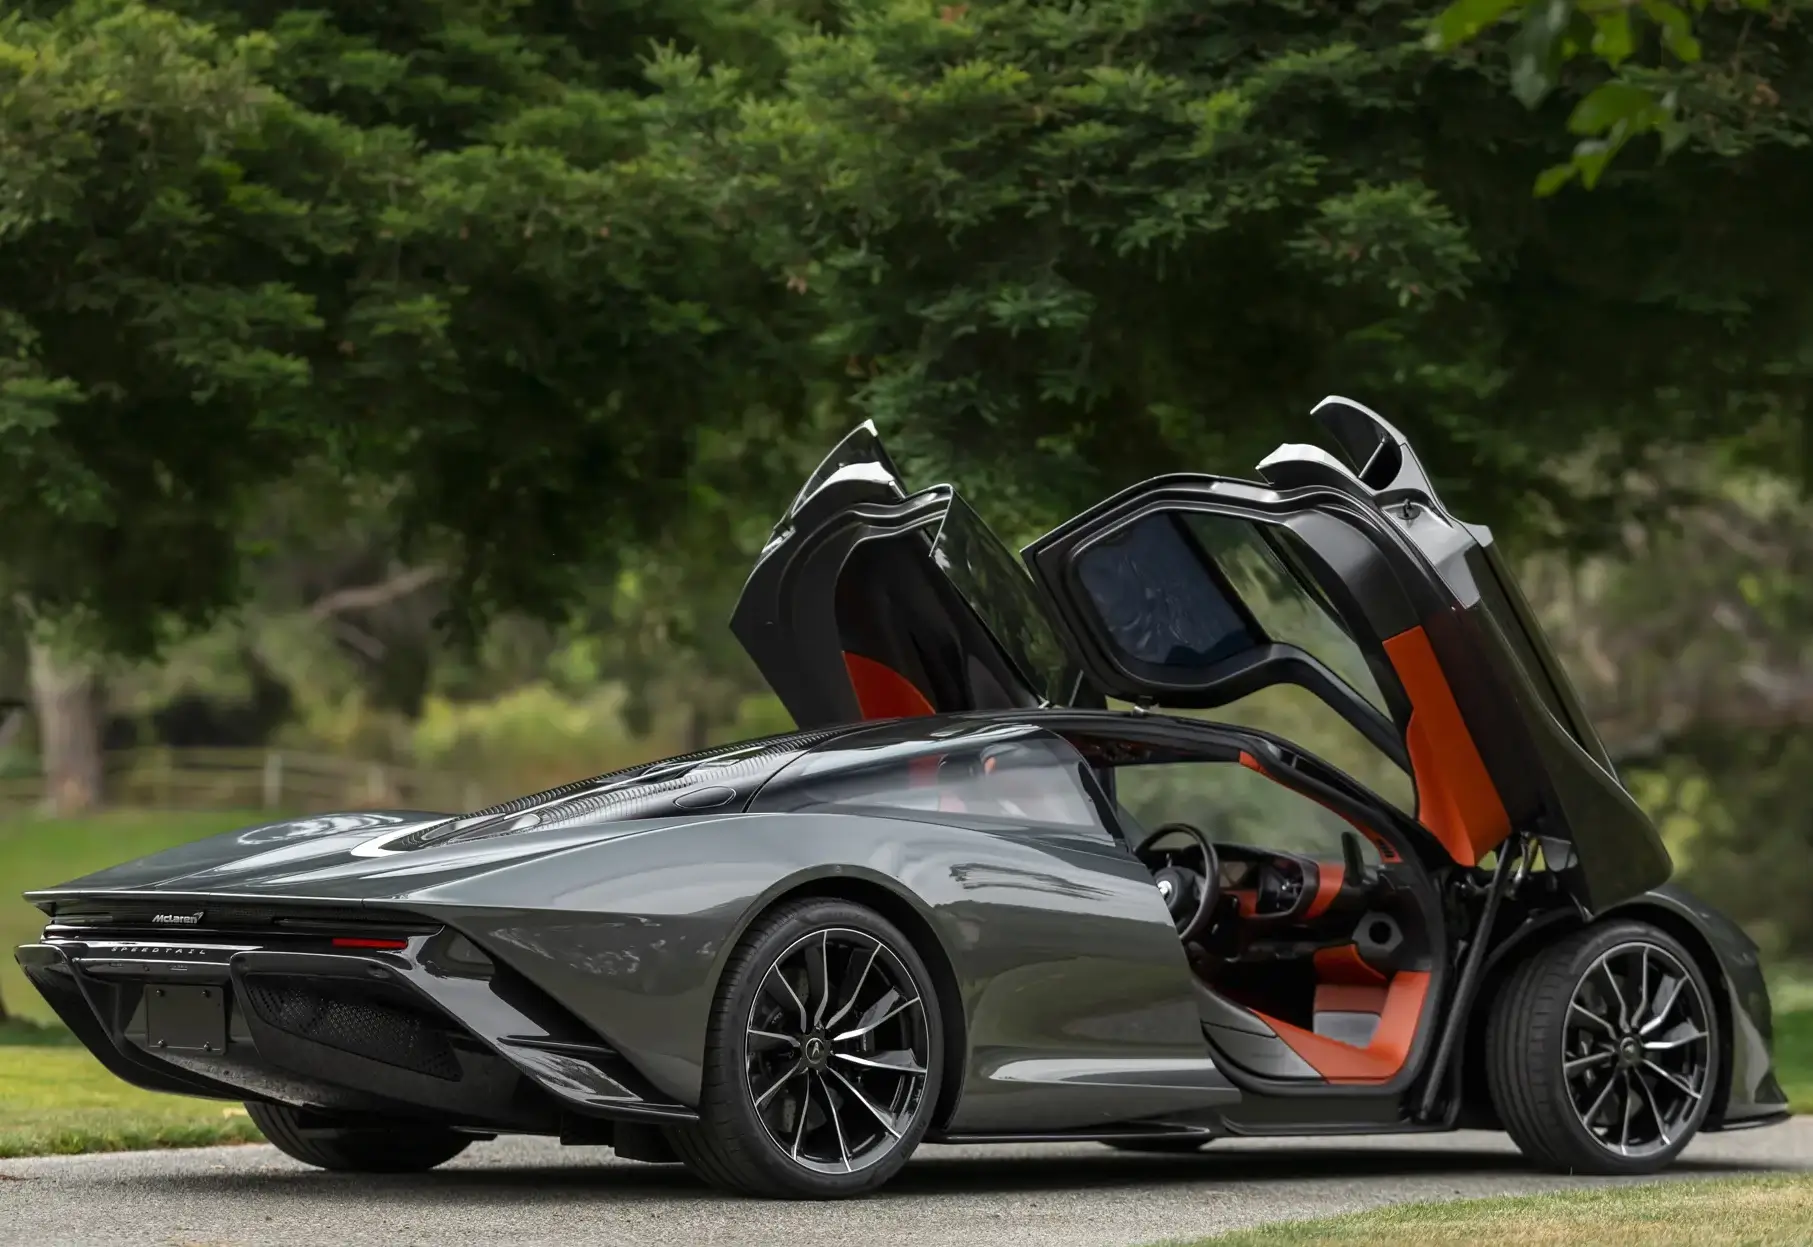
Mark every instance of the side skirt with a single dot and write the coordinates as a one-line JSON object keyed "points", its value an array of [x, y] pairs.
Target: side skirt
{"points": [[1129, 1134]]}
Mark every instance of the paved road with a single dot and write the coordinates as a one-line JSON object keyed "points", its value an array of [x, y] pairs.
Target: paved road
{"points": [[534, 1192]]}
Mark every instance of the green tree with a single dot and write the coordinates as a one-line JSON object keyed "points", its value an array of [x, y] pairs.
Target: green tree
{"points": [[1069, 247], [1651, 72], [417, 244], [424, 245]]}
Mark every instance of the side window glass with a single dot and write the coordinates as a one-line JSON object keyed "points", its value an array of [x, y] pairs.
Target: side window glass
{"points": [[1192, 588], [1032, 783], [1258, 563], [1299, 716], [1233, 805]]}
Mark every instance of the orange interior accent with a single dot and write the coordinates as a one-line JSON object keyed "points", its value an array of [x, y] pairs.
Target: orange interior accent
{"points": [[1342, 964], [1455, 797], [1343, 998], [882, 692], [1377, 1061], [1329, 877]]}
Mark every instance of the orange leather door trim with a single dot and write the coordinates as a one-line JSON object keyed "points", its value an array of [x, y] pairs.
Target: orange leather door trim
{"points": [[1342, 964], [1329, 878], [881, 691], [1341, 998], [1379, 1060], [1455, 797]]}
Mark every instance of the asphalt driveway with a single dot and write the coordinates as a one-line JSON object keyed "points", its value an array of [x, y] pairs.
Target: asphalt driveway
{"points": [[535, 1192]]}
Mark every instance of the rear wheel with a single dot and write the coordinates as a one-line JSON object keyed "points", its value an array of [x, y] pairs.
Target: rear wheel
{"points": [[1604, 1051], [315, 1140], [822, 1060]]}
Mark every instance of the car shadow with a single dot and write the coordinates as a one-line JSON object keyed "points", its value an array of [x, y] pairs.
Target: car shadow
{"points": [[929, 1175]]}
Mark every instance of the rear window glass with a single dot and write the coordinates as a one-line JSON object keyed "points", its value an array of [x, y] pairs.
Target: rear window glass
{"points": [[1030, 782]]}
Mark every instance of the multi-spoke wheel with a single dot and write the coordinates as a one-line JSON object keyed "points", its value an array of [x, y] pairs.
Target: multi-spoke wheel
{"points": [[824, 1056], [1605, 1051]]}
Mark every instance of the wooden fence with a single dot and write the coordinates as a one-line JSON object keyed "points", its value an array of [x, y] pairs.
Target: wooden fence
{"points": [[272, 779]]}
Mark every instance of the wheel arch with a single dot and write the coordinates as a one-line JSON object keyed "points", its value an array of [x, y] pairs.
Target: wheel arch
{"points": [[1545, 930], [903, 913]]}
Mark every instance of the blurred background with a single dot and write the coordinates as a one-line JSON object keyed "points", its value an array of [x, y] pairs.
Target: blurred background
{"points": [[393, 396]]}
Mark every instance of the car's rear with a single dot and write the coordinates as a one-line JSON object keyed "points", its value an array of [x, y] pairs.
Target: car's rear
{"points": [[353, 1010]]}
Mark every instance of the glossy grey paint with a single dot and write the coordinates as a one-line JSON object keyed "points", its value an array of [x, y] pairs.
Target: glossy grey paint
{"points": [[1753, 1091], [1076, 1004], [1074, 992], [97, 984]]}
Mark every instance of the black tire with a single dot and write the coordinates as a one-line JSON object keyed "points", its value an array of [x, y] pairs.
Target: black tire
{"points": [[733, 1146], [1160, 1147], [1559, 1052], [313, 1140]]}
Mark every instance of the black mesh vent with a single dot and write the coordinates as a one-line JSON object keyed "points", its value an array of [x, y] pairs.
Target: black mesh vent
{"points": [[630, 793], [367, 1028]]}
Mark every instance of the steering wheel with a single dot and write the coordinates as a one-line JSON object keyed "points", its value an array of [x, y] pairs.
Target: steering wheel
{"points": [[1189, 894]]}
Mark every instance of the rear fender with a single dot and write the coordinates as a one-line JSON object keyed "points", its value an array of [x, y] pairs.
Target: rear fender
{"points": [[1067, 960]]}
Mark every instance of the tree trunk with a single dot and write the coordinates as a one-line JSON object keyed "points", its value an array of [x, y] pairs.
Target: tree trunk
{"points": [[66, 700], [698, 724]]}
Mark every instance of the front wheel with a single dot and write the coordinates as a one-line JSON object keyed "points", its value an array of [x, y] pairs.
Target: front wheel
{"points": [[316, 1140], [822, 1062], [1604, 1051]]}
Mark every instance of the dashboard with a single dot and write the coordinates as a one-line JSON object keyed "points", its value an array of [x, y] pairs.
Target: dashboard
{"points": [[1266, 885], [1263, 885]]}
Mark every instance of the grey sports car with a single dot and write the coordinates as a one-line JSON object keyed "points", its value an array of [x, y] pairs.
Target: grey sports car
{"points": [[1027, 872]]}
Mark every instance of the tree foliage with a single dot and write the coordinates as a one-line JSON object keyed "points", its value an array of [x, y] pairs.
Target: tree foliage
{"points": [[426, 244], [1651, 71], [524, 261], [1068, 247]]}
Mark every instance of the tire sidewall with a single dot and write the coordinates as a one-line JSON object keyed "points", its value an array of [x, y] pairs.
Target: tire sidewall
{"points": [[1580, 955], [766, 944]]}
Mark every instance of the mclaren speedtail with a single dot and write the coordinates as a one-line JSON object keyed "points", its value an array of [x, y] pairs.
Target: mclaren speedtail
{"points": [[1034, 868]]}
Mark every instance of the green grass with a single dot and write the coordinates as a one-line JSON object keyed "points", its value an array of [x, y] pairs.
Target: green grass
{"points": [[1755, 1212], [41, 853], [1794, 1058], [57, 1100]]}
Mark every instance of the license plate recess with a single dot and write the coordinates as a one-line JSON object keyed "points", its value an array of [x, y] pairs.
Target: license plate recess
{"points": [[182, 1017]]}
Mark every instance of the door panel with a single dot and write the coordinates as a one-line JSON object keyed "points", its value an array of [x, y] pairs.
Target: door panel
{"points": [[1164, 618], [1456, 798], [871, 602]]}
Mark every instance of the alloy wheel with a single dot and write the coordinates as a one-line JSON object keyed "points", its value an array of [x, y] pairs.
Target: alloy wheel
{"points": [[1637, 1051], [837, 1050]]}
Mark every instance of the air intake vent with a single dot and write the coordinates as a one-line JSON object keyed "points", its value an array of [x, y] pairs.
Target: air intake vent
{"points": [[367, 1028]]}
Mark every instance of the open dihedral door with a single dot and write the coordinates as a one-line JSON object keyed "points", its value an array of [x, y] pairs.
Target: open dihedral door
{"points": [[1165, 593], [870, 602]]}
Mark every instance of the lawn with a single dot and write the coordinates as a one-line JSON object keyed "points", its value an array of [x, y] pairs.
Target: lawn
{"points": [[41, 853], [1756, 1212], [55, 1098]]}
